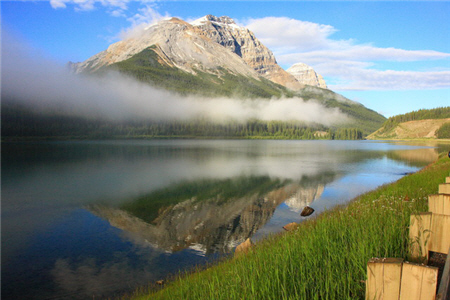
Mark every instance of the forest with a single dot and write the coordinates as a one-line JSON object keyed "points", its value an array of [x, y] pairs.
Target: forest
{"points": [[421, 114], [20, 123]]}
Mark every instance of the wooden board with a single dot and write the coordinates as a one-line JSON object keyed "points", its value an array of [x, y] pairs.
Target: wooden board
{"points": [[383, 278], [444, 286], [444, 188], [440, 234], [419, 236], [439, 204], [418, 282], [447, 180]]}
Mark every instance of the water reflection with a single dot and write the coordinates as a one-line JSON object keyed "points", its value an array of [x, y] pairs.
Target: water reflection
{"points": [[209, 216], [69, 229]]}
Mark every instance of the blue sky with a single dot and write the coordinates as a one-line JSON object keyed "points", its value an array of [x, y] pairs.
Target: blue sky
{"points": [[393, 57]]}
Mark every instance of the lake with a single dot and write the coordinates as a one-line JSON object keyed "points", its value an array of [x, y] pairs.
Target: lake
{"points": [[84, 219]]}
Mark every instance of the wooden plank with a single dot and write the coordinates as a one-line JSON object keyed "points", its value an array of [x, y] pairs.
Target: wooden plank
{"points": [[434, 203], [444, 188], [440, 233], [418, 282], [419, 235], [447, 180], [374, 286], [444, 286], [439, 204], [383, 278]]}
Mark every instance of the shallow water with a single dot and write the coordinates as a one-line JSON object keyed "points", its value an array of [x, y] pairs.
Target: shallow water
{"points": [[73, 226]]}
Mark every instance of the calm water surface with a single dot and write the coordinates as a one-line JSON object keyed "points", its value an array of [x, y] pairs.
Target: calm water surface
{"points": [[99, 218]]}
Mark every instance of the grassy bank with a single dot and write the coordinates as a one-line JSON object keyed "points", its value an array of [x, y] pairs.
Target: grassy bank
{"points": [[326, 257]]}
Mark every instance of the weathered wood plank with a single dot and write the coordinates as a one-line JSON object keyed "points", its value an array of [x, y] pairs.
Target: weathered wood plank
{"points": [[383, 278], [444, 286], [419, 236], [439, 204], [440, 234], [444, 188], [418, 282], [447, 180]]}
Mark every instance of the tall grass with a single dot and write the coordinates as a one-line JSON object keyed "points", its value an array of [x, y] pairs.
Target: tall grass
{"points": [[324, 258]]}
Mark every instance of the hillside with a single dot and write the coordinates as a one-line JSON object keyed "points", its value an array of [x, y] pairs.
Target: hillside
{"points": [[422, 129], [148, 67], [424, 123]]}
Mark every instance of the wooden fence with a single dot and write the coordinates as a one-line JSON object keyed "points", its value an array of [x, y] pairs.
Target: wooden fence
{"points": [[392, 278]]}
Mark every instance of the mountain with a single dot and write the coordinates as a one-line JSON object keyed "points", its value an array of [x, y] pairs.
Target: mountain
{"points": [[306, 74], [209, 44], [211, 57], [176, 44]]}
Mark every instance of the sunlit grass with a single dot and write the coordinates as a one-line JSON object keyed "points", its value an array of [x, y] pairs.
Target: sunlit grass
{"points": [[324, 258]]}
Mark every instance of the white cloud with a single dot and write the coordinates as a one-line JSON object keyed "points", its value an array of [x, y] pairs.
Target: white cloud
{"points": [[58, 3], [114, 7], [145, 17], [286, 33], [368, 79], [347, 64]]}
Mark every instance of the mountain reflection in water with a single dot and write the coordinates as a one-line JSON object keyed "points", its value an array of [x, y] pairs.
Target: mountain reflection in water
{"points": [[84, 219], [210, 216]]}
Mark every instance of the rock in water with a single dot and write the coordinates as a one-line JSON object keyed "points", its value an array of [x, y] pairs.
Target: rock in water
{"points": [[307, 211], [290, 226], [243, 247]]}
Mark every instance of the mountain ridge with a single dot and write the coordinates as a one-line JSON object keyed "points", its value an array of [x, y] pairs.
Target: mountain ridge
{"points": [[177, 63], [188, 46]]}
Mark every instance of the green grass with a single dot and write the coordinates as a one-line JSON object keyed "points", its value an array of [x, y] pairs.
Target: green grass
{"points": [[326, 257]]}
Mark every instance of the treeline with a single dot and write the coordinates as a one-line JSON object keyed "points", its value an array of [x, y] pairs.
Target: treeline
{"points": [[421, 114], [17, 122], [444, 131]]}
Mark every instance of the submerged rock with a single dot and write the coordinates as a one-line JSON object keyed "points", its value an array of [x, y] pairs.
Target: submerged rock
{"points": [[307, 211], [290, 226]]}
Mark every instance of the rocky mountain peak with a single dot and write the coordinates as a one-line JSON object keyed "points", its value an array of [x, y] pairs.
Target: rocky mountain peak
{"points": [[178, 44], [223, 21], [208, 44], [243, 42], [306, 74]]}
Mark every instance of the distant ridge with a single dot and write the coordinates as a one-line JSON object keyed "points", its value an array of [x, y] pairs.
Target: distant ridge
{"points": [[424, 123]]}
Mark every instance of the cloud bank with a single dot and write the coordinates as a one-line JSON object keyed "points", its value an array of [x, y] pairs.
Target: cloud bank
{"points": [[48, 87], [350, 66]]}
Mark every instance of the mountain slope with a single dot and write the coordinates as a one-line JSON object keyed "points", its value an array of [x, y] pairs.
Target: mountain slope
{"points": [[148, 67], [412, 130], [423, 123]]}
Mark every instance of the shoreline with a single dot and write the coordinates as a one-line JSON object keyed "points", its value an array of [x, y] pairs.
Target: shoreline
{"points": [[303, 238]]}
